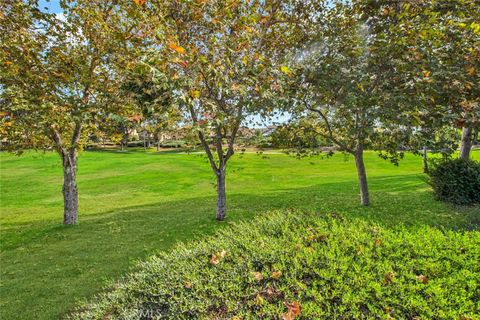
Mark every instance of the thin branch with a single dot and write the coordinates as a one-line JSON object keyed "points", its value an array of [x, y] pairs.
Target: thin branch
{"points": [[205, 145], [330, 135]]}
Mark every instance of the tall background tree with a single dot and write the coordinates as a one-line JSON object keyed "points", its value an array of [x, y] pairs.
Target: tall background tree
{"points": [[443, 56]]}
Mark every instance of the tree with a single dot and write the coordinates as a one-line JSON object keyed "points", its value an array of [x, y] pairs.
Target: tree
{"points": [[223, 60], [58, 77], [349, 81], [443, 38]]}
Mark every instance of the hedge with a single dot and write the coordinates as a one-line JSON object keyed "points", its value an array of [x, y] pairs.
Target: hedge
{"points": [[304, 265]]}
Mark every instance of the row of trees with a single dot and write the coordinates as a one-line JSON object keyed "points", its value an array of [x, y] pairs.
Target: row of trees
{"points": [[362, 74]]}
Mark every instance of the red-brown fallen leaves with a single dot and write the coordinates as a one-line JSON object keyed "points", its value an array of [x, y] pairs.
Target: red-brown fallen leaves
{"points": [[215, 258], [421, 278], [377, 242], [276, 275], [294, 309]]}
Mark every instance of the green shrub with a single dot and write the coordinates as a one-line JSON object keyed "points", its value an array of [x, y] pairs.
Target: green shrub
{"points": [[334, 268], [456, 181]]}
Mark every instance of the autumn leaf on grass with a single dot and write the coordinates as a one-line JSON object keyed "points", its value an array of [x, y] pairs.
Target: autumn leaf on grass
{"points": [[176, 48], [421, 278], [276, 275], [377, 242], [257, 276], [293, 310], [214, 259]]}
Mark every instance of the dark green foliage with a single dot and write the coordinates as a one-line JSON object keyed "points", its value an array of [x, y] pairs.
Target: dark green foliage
{"points": [[334, 267], [456, 181]]}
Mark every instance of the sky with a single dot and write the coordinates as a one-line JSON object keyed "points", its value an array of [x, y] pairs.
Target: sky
{"points": [[53, 6]]}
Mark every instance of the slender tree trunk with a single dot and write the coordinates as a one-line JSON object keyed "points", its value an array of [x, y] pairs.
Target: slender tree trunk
{"points": [[362, 175], [70, 192], [159, 140], [221, 195], [425, 160], [124, 142], [466, 146]]}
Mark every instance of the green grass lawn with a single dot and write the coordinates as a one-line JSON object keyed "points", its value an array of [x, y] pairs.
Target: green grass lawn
{"points": [[133, 204]]}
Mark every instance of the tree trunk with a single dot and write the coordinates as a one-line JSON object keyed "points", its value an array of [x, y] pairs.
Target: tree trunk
{"points": [[425, 160], [70, 192], [466, 145], [221, 195], [362, 175]]}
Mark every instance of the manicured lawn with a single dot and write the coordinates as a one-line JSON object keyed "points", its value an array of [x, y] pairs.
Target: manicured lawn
{"points": [[133, 204]]}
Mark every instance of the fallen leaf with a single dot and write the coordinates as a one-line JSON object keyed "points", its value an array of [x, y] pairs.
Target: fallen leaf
{"points": [[258, 276], [293, 310], [276, 275], [421, 278], [214, 260], [377, 242]]}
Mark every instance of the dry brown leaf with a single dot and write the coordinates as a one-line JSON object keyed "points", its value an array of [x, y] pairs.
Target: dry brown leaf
{"points": [[214, 260], [258, 276], [421, 278]]}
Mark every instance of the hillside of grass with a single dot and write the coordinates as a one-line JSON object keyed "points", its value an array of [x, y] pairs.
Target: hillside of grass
{"points": [[301, 265], [134, 204]]}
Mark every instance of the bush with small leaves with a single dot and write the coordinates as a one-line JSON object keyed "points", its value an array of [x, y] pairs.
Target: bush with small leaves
{"points": [[456, 181], [304, 265]]}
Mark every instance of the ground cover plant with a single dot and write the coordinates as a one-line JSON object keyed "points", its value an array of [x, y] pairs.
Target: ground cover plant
{"points": [[138, 203], [305, 265]]}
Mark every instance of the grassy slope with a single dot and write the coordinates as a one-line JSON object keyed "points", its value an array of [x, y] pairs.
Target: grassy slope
{"points": [[133, 204]]}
